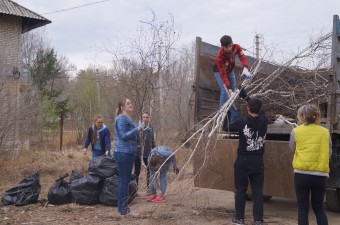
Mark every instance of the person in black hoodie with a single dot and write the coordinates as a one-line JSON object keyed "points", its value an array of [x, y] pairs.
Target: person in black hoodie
{"points": [[249, 165]]}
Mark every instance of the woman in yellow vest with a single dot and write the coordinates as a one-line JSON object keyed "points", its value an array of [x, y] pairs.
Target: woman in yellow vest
{"points": [[312, 145]]}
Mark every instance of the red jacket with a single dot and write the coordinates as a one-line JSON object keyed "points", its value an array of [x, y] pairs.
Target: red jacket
{"points": [[226, 62]]}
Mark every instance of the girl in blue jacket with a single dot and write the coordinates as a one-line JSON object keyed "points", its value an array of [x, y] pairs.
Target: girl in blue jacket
{"points": [[125, 151], [99, 138]]}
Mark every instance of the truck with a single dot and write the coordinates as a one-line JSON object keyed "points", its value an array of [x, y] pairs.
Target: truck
{"points": [[213, 164]]}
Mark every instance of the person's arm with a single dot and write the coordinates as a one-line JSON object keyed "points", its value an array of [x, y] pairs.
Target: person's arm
{"points": [[292, 143], [121, 125], [235, 126], [153, 145], [241, 56], [88, 138], [330, 147], [107, 141], [221, 69]]}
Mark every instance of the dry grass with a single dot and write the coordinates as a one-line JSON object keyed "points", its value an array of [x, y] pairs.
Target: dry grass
{"points": [[49, 164]]}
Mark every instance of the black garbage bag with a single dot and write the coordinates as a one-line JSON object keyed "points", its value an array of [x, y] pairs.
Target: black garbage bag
{"points": [[103, 166], [26, 192], [108, 195], [75, 175], [133, 188], [59, 192], [85, 190]]}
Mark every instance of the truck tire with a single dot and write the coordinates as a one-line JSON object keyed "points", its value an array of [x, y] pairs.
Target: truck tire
{"points": [[333, 200]]}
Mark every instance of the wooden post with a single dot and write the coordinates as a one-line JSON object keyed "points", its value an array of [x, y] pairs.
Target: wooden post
{"points": [[61, 129]]}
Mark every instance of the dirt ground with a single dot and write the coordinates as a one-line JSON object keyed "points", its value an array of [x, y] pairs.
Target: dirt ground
{"points": [[185, 205]]}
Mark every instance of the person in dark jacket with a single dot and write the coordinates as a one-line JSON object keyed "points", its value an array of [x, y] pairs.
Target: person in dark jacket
{"points": [[148, 143], [249, 165], [145, 142], [98, 136]]}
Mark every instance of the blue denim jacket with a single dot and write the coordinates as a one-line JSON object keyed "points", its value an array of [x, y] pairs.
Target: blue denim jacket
{"points": [[126, 134], [164, 152]]}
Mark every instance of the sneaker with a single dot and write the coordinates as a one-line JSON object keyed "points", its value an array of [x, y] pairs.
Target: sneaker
{"points": [[159, 199], [237, 221], [258, 222], [151, 198], [129, 213]]}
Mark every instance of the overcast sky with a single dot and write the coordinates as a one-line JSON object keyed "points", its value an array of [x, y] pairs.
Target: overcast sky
{"points": [[78, 33]]}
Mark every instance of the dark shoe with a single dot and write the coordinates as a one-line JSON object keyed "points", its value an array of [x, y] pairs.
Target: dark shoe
{"points": [[258, 222], [237, 221]]}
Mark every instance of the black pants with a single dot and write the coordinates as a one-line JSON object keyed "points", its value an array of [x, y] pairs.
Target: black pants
{"points": [[249, 169], [313, 187], [138, 165], [147, 172]]}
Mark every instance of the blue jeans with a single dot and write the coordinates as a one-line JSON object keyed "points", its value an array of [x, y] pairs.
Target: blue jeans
{"points": [[125, 163], [224, 96], [313, 188], [162, 177]]}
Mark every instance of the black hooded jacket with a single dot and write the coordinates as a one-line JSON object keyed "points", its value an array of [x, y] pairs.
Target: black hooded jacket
{"points": [[252, 133]]}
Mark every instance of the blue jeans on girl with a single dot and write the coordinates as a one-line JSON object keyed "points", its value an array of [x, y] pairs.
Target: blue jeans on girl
{"points": [[162, 177], [125, 163]]}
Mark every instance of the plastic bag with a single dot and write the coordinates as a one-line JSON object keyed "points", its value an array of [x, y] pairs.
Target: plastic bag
{"points": [[26, 192], [103, 166], [85, 190], [108, 195], [133, 188], [59, 192]]}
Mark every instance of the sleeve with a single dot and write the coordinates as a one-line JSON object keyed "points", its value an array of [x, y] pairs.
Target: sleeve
{"points": [[107, 140], [122, 132], [235, 126], [330, 146], [221, 69], [88, 138], [153, 145], [241, 56], [292, 143]]}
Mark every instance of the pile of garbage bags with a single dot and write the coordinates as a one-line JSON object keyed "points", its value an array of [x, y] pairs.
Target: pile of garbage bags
{"points": [[99, 185]]}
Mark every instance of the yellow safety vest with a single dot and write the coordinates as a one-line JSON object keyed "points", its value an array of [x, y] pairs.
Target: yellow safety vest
{"points": [[312, 148]]}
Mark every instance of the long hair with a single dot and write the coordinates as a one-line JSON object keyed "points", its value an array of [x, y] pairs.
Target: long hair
{"points": [[155, 161], [94, 134], [120, 105], [311, 113]]}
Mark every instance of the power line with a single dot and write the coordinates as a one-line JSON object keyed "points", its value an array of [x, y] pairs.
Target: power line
{"points": [[75, 7]]}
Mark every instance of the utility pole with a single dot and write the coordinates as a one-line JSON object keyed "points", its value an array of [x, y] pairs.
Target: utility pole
{"points": [[257, 43]]}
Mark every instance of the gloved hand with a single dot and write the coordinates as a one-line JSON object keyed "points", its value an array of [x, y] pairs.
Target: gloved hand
{"points": [[141, 125], [243, 94], [147, 129], [176, 170], [246, 74]]}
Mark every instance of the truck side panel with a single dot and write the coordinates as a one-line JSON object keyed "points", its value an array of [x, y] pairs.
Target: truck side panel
{"points": [[215, 167]]}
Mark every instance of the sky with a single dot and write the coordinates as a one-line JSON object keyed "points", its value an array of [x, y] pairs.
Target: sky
{"points": [[80, 34]]}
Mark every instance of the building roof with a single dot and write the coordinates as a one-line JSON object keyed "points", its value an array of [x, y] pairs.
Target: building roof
{"points": [[30, 19]]}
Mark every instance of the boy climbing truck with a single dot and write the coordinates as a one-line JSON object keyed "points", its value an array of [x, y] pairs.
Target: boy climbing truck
{"points": [[214, 164]]}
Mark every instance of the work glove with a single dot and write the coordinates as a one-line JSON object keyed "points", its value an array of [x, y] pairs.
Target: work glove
{"points": [[147, 129], [243, 94], [141, 125], [246, 74]]}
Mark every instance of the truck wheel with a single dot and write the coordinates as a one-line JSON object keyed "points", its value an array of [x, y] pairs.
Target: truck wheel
{"points": [[266, 198], [333, 200]]}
